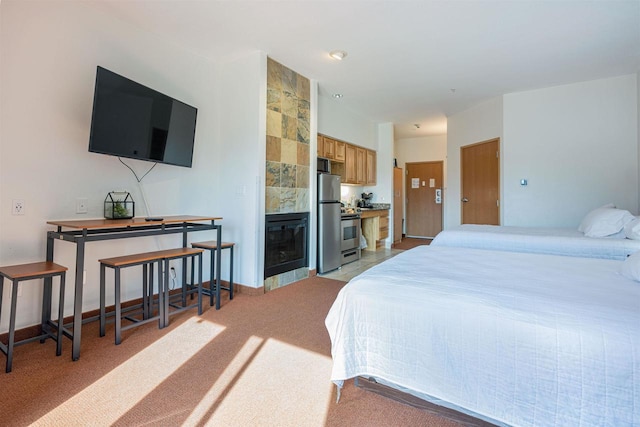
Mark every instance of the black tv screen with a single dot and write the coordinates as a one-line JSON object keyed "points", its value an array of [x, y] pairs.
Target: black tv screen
{"points": [[134, 121]]}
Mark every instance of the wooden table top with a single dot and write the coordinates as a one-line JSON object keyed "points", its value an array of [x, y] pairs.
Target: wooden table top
{"points": [[132, 222]]}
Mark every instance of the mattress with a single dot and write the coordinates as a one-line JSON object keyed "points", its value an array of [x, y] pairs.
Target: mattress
{"points": [[555, 241], [521, 339]]}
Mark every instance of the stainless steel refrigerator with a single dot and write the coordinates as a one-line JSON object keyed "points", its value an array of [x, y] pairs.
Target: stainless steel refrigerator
{"points": [[329, 255]]}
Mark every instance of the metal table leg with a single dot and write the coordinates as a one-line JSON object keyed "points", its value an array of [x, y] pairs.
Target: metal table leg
{"points": [[219, 265], [77, 299], [46, 298]]}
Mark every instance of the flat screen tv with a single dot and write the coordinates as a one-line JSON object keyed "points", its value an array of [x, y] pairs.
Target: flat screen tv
{"points": [[134, 121]]}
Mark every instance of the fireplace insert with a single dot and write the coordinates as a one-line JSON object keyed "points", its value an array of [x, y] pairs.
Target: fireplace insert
{"points": [[286, 243]]}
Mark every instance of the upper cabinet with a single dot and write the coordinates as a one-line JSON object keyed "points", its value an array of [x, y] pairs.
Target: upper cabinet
{"points": [[340, 153], [370, 167], [349, 176], [356, 165], [361, 166], [329, 148]]}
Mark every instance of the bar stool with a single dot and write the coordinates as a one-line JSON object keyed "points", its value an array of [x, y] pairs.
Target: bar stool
{"points": [[22, 272], [214, 288], [147, 260]]}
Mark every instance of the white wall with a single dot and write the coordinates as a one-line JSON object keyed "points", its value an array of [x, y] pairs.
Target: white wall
{"points": [[338, 121], [49, 56], [577, 146], [384, 169], [476, 124], [422, 149], [242, 128]]}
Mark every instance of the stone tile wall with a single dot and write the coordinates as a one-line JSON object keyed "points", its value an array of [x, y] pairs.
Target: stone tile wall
{"points": [[288, 155]]}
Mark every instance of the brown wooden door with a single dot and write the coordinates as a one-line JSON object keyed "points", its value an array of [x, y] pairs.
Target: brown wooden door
{"points": [[398, 204], [481, 183], [424, 212]]}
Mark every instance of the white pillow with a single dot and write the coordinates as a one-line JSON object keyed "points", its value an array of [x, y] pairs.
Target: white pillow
{"points": [[605, 221], [587, 217], [632, 229], [630, 268]]}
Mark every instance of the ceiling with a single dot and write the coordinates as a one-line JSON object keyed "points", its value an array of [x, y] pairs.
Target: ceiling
{"points": [[408, 62]]}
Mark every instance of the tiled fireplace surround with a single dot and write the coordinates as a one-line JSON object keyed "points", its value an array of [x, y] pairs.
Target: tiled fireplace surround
{"points": [[288, 155]]}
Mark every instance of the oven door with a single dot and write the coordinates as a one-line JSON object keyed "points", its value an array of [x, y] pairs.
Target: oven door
{"points": [[350, 233]]}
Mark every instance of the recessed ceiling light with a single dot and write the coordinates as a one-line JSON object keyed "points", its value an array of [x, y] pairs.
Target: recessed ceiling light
{"points": [[337, 95], [338, 54]]}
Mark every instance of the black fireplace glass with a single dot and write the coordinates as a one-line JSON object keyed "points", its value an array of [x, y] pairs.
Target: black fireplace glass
{"points": [[286, 243]]}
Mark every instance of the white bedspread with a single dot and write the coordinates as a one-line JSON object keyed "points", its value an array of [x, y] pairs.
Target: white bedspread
{"points": [[524, 339], [556, 241]]}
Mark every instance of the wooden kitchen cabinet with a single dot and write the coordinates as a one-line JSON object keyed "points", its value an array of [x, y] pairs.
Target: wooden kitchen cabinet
{"points": [[370, 168], [375, 227], [340, 151], [356, 165], [329, 148], [350, 164], [383, 227], [361, 164]]}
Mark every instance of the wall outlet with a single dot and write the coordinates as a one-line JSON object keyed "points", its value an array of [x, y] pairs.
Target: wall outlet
{"points": [[82, 205], [17, 207]]}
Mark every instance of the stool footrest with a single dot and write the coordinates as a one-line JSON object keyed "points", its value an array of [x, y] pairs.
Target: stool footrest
{"points": [[3, 346], [138, 322]]}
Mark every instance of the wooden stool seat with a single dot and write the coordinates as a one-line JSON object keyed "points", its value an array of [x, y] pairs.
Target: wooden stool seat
{"points": [[147, 260], [34, 270], [22, 272], [214, 288]]}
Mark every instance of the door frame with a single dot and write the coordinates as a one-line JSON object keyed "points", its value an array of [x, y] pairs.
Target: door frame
{"points": [[498, 140]]}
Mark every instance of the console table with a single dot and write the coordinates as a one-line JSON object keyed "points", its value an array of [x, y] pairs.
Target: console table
{"points": [[92, 230]]}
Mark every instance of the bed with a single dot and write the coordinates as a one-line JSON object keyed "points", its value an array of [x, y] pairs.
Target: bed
{"points": [[555, 241], [512, 338]]}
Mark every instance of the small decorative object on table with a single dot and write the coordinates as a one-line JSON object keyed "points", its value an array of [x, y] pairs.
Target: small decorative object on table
{"points": [[119, 205]]}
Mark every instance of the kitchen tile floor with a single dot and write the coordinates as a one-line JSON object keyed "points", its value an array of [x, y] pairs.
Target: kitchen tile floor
{"points": [[367, 260]]}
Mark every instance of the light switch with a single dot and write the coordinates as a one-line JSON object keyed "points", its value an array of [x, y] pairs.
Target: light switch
{"points": [[432, 182]]}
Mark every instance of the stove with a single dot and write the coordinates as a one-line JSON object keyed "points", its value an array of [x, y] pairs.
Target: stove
{"points": [[350, 234]]}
